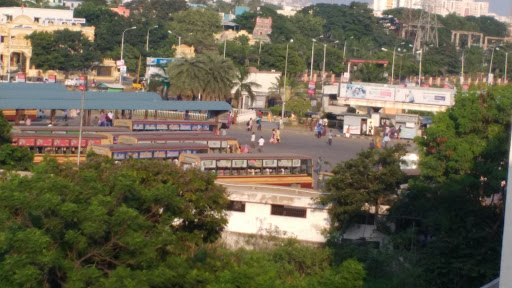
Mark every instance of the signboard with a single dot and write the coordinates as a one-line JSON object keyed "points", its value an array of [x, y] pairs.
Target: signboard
{"points": [[284, 163], [269, 163], [134, 155], [197, 127], [61, 142], [119, 155], [145, 154], [162, 127], [26, 142], [59, 21], [150, 127], [119, 63], [94, 142], [52, 78], [159, 154], [214, 144], [173, 153], [424, 96], [239, 163], [174, 126], [122, 70], [44, 142], [20, 77], [311, 88], [296, 162], [223, 163], [138, 126], [82, 83], [187, 127], [208, 163], [254, 163], [74, 142], [150, 61]]}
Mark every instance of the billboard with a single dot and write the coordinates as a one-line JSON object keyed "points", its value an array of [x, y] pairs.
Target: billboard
{"points": [[361, 91], [150, 61], [442, 97]]}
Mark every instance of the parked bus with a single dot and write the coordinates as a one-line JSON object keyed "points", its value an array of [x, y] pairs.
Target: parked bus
{"points": [[64, 147], [216, 143], [166, 125], [67, 129], [272, 169], [113, 137], [148, 151]]}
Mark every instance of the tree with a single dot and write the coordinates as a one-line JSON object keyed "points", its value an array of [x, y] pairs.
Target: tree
{"points": [[246, 21], [105, 225], [207, 76], [294, 88], [273, 57], [12, 157], [196, 27], [243, 86], [370, 73], [62, 50], [369, 178]]}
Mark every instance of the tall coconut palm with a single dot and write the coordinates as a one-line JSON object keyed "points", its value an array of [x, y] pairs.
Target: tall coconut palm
{"points": [[243, 86], [207, 77], [295, 88]]}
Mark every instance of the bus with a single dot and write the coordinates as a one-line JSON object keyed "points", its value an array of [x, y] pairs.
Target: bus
{"points": [[113, 137], [148, 151], [67, 129], [271, 169], [166, 125], [63, 147], [216, 143]]}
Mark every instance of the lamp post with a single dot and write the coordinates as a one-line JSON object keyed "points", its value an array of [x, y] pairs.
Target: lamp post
{"points": [[147, 37], [419, 73], [179, 38], [489, 80], [224, 48], [122, 48], [506, 62], [82, 116], [284, 86], [462, 70], [312, 58]]}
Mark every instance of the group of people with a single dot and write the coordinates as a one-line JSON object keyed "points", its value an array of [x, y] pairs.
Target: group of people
{"points": [[274, 139], [106, 119]]}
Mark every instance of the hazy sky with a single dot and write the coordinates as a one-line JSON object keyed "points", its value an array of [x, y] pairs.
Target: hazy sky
{"points": [[500, 7]]}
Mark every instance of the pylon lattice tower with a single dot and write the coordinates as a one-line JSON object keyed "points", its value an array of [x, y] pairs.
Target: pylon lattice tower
{"points": [[427, 26]]}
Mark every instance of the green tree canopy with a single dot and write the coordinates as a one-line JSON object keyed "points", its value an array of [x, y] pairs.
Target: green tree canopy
{"points": [[106, 225]]}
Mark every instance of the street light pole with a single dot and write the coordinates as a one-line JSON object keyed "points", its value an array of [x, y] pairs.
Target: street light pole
{"points": [[284, 87], [462, 71], [490, 67], [312, 58], [323, 69], [224, 48], [419, 74], [506, 63], [393, 67], [82, 115], [147, 37], [122, 48]]}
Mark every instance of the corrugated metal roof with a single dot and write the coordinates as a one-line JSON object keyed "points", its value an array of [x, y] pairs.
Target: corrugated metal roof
{"points": [[56, 96]]}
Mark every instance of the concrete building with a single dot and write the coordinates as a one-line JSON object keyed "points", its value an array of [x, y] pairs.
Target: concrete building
{"points": [[13, 30], [59, 16], [262, 29], [285, 212], [266, 80], [441, 7]]}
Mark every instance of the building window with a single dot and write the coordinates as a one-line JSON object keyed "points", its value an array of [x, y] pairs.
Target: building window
{"points": [[9, 18], [237, 206], [365, 219], [37, 19], [281, 210]]}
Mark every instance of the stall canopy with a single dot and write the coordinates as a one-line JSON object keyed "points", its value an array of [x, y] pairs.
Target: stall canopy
{"points": [[56, 96]]}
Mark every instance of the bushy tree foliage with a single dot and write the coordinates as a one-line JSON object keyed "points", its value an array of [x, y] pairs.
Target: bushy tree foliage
{"points": [[106, 224]]}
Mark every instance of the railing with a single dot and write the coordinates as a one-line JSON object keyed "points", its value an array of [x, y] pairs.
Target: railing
{"points": [[172, 115]]}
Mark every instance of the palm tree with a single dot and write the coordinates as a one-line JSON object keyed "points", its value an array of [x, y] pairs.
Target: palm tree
{"points": [[295, 88], [243, 86], [207, 77]]}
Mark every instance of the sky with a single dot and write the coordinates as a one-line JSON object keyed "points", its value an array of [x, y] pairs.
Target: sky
{"points": [[500, 7]]}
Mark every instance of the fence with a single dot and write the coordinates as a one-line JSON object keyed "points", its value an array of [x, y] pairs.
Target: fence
{"points": [[172, 115]]}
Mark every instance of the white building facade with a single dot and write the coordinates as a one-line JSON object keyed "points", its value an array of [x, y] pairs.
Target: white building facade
{"points": [[441, 7], [7, 14]]}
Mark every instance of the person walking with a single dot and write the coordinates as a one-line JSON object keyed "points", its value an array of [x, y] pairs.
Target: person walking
{"points": [[102, 118], [347, 132], [261, 142], [273, 137], [364, 129], [319, 130], [258, 121], [253, 140], [330, 137], [386, 140], [318, 165], [230, 119], [278, 135]]}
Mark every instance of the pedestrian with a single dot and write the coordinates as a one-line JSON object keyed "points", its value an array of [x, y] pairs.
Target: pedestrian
{"points": [[377, 142], [102, 118], [319, 131], [386, 140], [66, 115], [230, 119], [372, 144], [28, 122], [347, 132], [370, 129], [330, 137], [261, 142], [278, 135], [250, 124], [259, 123], [273, 137], [398, 131], [318, 165], [253, 140], [364, 129], [111, 116]]}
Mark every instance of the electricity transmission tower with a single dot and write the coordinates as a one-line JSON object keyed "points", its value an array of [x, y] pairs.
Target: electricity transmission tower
{"points": [[426, 34]]}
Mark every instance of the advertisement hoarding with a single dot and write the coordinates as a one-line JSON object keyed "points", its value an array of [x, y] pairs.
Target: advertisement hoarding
{"points": [[442, 97]]}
